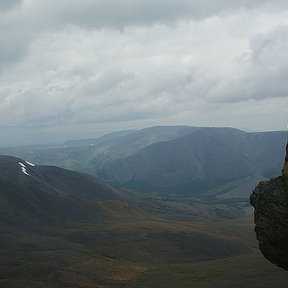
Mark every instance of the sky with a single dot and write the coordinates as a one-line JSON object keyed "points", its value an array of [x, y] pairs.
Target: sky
{"points": [[78, 69]]}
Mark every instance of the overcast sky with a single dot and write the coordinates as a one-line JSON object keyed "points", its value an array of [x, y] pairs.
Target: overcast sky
{"points": [[78, 69]]}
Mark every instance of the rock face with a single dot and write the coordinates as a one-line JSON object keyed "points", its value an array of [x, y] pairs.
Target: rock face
{"points": [[285, 168], [270, 200]]}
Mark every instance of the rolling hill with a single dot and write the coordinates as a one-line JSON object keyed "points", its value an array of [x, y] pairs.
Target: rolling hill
{"points": [[60, 228], [215, 163], [31, 195]]}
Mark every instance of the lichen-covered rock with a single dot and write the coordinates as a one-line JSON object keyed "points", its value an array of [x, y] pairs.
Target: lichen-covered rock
{"points": [[270, 200]]}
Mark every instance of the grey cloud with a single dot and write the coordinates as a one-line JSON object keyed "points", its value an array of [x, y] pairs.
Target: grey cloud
{"points": [[67, 75], [15, 37], [120, 13], [74, 76], [23, 26], [104, 82], [12, 49], [265, 73], [8, 4]]}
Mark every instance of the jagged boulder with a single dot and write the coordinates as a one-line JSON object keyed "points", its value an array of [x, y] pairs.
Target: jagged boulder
{"points": [[270, 200]]}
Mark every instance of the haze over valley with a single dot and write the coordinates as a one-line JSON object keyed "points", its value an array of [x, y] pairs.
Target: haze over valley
{"points": [[200, 163]]}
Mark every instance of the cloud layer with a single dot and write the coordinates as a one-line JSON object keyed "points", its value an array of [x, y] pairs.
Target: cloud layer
{"points": [[150, 62]]}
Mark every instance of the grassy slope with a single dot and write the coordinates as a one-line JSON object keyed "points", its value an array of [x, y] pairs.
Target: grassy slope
{"points": [[138, 251], [242, 271], [51, 241], [250, 270]]}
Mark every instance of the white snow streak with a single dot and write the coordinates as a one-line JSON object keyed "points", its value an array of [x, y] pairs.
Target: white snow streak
{"points": [[31, 164], [23, 168]]}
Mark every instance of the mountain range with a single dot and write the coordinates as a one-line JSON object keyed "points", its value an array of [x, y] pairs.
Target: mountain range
{"points": [[182, 160]]}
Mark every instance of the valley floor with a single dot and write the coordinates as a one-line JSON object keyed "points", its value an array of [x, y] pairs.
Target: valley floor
{"points": [[137, 252]]}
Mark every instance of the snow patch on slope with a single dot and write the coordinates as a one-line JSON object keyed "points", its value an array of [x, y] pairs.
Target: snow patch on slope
{"points": [[31, 164], [24, 168]]}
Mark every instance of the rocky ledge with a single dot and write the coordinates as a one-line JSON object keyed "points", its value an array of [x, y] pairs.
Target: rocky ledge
{"points": [[270, 200]]}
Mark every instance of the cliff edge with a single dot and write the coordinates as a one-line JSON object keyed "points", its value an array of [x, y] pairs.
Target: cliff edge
{"points": [[270, 200]]}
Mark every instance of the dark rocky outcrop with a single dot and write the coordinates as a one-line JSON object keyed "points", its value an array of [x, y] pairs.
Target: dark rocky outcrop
{"points": [[270, 200], [285, 168]]}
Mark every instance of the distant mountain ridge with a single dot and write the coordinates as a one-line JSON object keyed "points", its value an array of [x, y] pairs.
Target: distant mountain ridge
{"points": [[199, 161], [96, 141], [205, 155]]}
